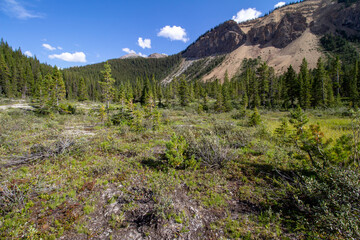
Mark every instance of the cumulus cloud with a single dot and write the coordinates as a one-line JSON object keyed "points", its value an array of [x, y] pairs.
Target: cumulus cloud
{"points": [[60, 48], [279, 4], [174, 33], [142, 55], [144, 43], [15, 9], [127, 50], [49, 47], [70, 57], [28, 53], [246, 14]]}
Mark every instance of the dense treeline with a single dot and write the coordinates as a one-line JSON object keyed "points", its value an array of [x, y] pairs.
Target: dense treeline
{"points": [[20, 76], [331, 83], [123, 71], [334, 81]]}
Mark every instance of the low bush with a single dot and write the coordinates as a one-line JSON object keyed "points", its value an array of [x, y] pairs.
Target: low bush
{"points": [[328, 202], [210, 150]]}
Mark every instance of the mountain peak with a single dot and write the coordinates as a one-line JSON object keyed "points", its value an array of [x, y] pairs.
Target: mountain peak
{"points": [[157, 55], [131, 55]]}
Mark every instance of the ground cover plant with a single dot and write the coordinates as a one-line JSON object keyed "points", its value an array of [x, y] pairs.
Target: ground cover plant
{"points": [[144, 172]]}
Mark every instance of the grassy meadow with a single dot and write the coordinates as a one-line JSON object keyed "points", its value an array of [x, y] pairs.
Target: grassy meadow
{"points": [[178, 174]]}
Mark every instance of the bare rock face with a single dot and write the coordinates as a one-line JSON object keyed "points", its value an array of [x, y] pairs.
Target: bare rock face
{"points": [[337, 18], [157, 55], [280, 34], [290, 28], [279, 28], [223, 39]]}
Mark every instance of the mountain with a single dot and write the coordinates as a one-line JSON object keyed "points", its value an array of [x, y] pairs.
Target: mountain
{"points": [[157, 55], [131, 55], [283, 37]]}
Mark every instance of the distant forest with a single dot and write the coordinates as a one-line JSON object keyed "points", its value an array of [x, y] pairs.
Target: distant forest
{"points": [[334, 81]]}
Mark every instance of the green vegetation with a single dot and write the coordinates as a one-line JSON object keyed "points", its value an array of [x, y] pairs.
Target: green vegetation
{"points": [[258, 156], [285, 177]]}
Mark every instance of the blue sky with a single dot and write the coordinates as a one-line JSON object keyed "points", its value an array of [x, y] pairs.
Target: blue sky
{"points": [[73, 33]]}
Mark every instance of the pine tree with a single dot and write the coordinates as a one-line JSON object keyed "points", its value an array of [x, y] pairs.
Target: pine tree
{"points": [[29, 86], [320, 85], [45, 90], [159, 95], [37, 87], [263, 72], [338, 73], [82, 92], [219, 104], [225, 90], [57, 88], [183, 92], [146, 95], [354, 94], [305, 88], [205, 104], [245, 101], [107, 85], [255, 118], [121, 97], [291, 85], [5, 84]]}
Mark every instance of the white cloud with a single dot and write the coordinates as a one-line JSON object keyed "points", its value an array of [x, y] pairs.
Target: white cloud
{"points": [[142, 55], [48, 47], [127, 50], [70, 57], [28, 53], [279, 4], [173, 33], [15, 9], [60, 48], [144, 43], [246, 14]]}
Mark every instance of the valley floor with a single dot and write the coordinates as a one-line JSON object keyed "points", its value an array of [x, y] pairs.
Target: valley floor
{"points": [[73, 177]]}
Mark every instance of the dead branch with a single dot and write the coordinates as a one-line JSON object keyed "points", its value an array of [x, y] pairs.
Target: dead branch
{"points": [[38, 153]]}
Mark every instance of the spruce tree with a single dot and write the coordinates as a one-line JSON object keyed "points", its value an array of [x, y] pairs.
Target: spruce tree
{"points": [[183, 92], [263, 72], [225, 90], [354, 94], [107, 85], [82, 92], [219, 104], [305, 87], [159, 94], [291, 85], [321, 85], [5, 84], [57, 88], [146, 95], [244, 101], [338, 72]]}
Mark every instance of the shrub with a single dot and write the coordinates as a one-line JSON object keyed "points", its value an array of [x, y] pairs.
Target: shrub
{"points": [[329, 202], [255, 118], [223, 128], [210, 150], [67, 109], [175, 153]]}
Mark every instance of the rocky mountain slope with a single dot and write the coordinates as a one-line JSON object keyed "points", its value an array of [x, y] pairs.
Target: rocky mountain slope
{"points": [[281, 38]]}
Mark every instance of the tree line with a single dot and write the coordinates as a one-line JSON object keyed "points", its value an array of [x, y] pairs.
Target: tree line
{"points": [[333, 82]]}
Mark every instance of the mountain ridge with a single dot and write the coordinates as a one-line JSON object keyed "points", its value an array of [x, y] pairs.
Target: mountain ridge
{"points": [[282, 38]]}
